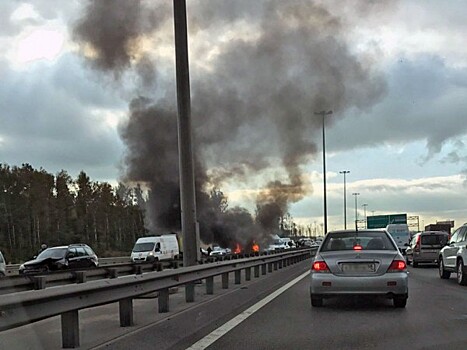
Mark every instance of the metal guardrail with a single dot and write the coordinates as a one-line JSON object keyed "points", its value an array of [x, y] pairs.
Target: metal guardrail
{"points": [[108, 268], [21, 283], [27, 307]]}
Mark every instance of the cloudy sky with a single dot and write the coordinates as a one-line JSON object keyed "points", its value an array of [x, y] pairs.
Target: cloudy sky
{"points": [[402, 133]]}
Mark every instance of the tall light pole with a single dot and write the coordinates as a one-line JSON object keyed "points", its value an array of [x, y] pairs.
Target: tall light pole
{"points": [[345, 198], [186, 163], [364, 213], [356, 212], [323, 114]]}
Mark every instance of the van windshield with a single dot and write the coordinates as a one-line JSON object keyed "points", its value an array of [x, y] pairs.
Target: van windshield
{"points": [[143, 247]]}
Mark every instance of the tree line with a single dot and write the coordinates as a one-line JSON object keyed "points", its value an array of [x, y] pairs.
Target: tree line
{"points": [[37, 207]]}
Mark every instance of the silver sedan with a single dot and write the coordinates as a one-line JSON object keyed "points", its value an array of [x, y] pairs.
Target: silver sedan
{"points": [[364, 262]]}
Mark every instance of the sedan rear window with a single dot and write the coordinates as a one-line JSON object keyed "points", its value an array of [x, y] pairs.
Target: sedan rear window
{"points": [[361, 240]]}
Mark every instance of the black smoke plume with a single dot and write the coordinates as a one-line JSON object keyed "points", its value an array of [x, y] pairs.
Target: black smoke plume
{"points": [[259, 71]]}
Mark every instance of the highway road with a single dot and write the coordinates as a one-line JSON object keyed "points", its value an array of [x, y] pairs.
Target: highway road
{"points": [[435, 318]]}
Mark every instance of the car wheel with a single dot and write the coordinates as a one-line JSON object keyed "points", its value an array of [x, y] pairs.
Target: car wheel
{"points": [[461, 273], [316, 301], [408, 261], [442, 272], [400, 301], [415, 264]]}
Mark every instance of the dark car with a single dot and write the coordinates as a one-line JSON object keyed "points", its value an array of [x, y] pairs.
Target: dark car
{"points": [[73, 256], [425, 247]]}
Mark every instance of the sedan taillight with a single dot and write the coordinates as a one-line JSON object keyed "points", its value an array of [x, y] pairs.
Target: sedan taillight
{"points": [[320, 266], [397, 266]]}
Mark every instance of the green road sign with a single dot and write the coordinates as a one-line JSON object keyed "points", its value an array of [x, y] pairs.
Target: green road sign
{"points": [[381, 221]]}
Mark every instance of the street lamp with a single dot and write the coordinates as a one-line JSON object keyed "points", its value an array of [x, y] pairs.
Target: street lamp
{"points": [[356, 212], [190, 228], [323, 114], [364, 213], [345, 197]]}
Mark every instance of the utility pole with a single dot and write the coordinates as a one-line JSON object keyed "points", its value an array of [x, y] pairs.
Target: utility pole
{"points": [[345, 198], [364, 213], [186, 164], [325, 214], [356, 212]]}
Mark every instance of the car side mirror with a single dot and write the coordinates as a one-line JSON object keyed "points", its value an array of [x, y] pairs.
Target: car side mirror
{"points": [[407, 245], [70, 255], [35, 256]]}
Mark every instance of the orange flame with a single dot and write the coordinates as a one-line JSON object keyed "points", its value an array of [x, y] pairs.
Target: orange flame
{"points": [[255, 247], [237, 249]]}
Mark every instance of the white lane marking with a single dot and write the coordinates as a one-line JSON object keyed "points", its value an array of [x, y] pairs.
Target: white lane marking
{"points": [[228, 326]]}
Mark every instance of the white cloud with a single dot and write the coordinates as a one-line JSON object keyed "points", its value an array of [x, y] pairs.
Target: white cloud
{"points": [[39, 44]]}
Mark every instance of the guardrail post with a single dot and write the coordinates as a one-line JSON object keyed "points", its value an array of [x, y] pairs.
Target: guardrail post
{"points": [[138, 269], [40, 282], [269, 267], [248, 274], [81, 277], [263, 269], [70, 329], [163, 300], [238, 277], [281, 263], [225, 280], [190, 292], [210, 285], [256, 271], [113, 273], [126, 312], [276, 264]]}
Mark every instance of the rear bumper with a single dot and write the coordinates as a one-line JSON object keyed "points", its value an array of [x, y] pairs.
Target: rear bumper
{"points": [[425, 257], [332, 285]]}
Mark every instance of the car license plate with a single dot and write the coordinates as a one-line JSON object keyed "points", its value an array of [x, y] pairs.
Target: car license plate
{"points": [[359, 267]]}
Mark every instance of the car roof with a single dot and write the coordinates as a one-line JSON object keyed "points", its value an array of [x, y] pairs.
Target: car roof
{"points": [[430, 232], [69, 246], [362, 230]]}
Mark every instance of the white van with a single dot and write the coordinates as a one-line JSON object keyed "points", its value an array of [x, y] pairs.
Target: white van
{"points": [[155, 248], [401, 235]]}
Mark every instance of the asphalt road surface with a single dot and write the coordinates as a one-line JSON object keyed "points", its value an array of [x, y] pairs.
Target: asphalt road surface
{"points": [[435, 318]]}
